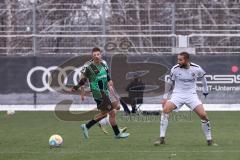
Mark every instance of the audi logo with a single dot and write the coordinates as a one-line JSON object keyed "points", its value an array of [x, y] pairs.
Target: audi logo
{"points": [[47, 78]]}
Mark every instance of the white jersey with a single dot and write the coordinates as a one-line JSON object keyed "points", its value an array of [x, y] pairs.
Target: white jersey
{"points": [[185, 79]]}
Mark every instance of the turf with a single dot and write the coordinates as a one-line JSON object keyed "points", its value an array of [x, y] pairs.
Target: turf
{"points": [[24, 136]]}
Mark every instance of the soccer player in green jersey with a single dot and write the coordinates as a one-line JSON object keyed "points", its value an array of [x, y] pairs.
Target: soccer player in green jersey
{"points": [[97, 73]]}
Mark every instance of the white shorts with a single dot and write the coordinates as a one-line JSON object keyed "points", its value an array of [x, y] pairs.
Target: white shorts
{"points": [[190, 100]]}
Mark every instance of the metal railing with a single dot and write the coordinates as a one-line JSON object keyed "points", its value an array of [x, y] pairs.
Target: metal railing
{"points": [[133, 27]]}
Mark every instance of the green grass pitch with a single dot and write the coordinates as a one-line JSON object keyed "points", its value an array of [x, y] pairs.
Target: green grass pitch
{"points": [[24, 136]]}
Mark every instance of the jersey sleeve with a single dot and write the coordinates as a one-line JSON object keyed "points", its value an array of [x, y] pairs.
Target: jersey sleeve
{"points": [[105, 65], [200, 72], [107, 69]]}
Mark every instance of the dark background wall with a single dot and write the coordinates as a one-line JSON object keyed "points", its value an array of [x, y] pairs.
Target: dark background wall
{"points": [[222, 74]]}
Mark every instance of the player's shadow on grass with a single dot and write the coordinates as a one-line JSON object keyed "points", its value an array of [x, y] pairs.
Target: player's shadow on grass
{"points": [[62, 112]]}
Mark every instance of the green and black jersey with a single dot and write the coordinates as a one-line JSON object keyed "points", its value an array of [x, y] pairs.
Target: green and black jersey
{"points": [[98, 77]]}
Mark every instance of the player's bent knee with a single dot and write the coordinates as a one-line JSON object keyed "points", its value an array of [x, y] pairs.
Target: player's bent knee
{"points": [[169, 107], [117, 107], [166, 110]]}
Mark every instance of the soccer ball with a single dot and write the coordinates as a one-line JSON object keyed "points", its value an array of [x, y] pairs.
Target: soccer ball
{"points": [[10, 112], [55, 140]]}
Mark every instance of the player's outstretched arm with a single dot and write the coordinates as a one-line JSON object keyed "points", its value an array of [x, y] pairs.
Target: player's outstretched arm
{"points": [[82, 81], [110, 85], [82, 93], [205, 87], [110, 82], [168, 90]]}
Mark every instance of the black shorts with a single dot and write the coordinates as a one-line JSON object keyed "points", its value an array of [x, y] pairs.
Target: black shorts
{"points": [[104, 106]]}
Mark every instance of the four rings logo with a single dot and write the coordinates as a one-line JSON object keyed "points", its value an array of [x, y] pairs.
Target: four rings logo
{"points": [[56, 78], [62, 78]]}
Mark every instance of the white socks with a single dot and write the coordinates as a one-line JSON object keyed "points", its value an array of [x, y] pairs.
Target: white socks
{"points": [[105, 121], [163, 124], [206, 129]]}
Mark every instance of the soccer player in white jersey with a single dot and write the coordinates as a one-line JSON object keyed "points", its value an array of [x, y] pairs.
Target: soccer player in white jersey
{"points": [[183, 87]]}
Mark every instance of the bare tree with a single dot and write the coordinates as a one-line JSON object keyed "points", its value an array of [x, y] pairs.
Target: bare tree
{"points": [[9, 24]]}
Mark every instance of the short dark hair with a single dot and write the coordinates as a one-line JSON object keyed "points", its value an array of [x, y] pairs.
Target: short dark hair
{"points": [[185, 55], [96, 49]]}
